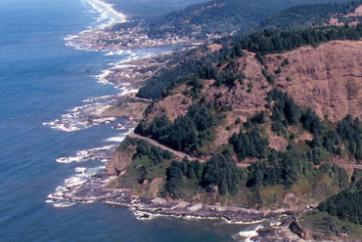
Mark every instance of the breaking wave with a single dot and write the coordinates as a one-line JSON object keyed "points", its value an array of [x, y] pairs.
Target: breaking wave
{"points": [[84, 116], [99, 154], [247, 235]]}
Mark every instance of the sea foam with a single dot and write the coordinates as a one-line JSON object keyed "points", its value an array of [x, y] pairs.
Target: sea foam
{"points": [[247, 235], [64, 195], [90, 113], [83, 116], [98, 154]]}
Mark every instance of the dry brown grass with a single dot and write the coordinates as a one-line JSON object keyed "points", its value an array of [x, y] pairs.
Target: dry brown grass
{"points": [[327, 79]]}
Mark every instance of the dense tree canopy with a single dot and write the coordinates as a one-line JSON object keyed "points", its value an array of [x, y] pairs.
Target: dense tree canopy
{"points": [[276, 41], [280, 168], [222, 172], [221, 17], [351, 132], [187, 133], [310, 15], [345, 205], [249, 144]]}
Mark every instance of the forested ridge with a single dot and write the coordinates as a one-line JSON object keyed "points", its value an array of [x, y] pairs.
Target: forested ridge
{"points": [[311, 15], [274, 148], [221, 16], [262, 43]]}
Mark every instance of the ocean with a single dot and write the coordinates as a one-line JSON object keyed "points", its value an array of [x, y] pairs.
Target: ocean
{"points": [[43, 85]]}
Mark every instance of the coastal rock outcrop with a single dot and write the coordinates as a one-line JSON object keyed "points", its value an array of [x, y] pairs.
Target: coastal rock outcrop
{"points": [[121, 158], [298, 230]]}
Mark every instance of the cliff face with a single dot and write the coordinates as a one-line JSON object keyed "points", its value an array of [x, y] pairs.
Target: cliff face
{"points": [[120, 159]]}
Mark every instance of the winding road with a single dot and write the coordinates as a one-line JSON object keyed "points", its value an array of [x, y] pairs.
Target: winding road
{"points": [[176, 153]]}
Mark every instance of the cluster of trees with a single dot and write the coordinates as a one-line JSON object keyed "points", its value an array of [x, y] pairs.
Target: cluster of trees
{"points": [[285, 168], [325, 143], [147, 161], [284, 111], [178, 172], [249, 144], [345, 205], [351, 132], [280, 168], [276, 41], [182, 68], [268, 76], [218, 16], [348, 133], [326, 138], [154, 154], [219, 171], [274, 167], [340, 175], [199, 65], [187, 133], [229, 75], [222, 172], [312, 123]]}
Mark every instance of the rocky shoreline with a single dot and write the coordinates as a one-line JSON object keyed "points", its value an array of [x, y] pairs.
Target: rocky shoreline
{"points": [[129, 76], [95, 190]]}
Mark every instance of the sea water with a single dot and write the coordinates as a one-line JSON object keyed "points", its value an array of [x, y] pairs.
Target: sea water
{"points": [[42, 79]]}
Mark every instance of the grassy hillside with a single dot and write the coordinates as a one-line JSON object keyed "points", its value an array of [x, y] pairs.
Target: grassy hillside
{"points": [[270, 119], [203, 65], [254, 142]]}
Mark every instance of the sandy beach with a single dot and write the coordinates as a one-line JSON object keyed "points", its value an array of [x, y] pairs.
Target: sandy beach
{"points": [[107, 9]]}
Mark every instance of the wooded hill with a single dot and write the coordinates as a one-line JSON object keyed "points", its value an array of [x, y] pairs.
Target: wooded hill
{"points": [[312, 15], [200, 64], [221, 17], [272, 120]]}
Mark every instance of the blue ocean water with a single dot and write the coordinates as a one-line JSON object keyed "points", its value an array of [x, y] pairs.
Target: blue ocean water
{"points": [[40, 78]]}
